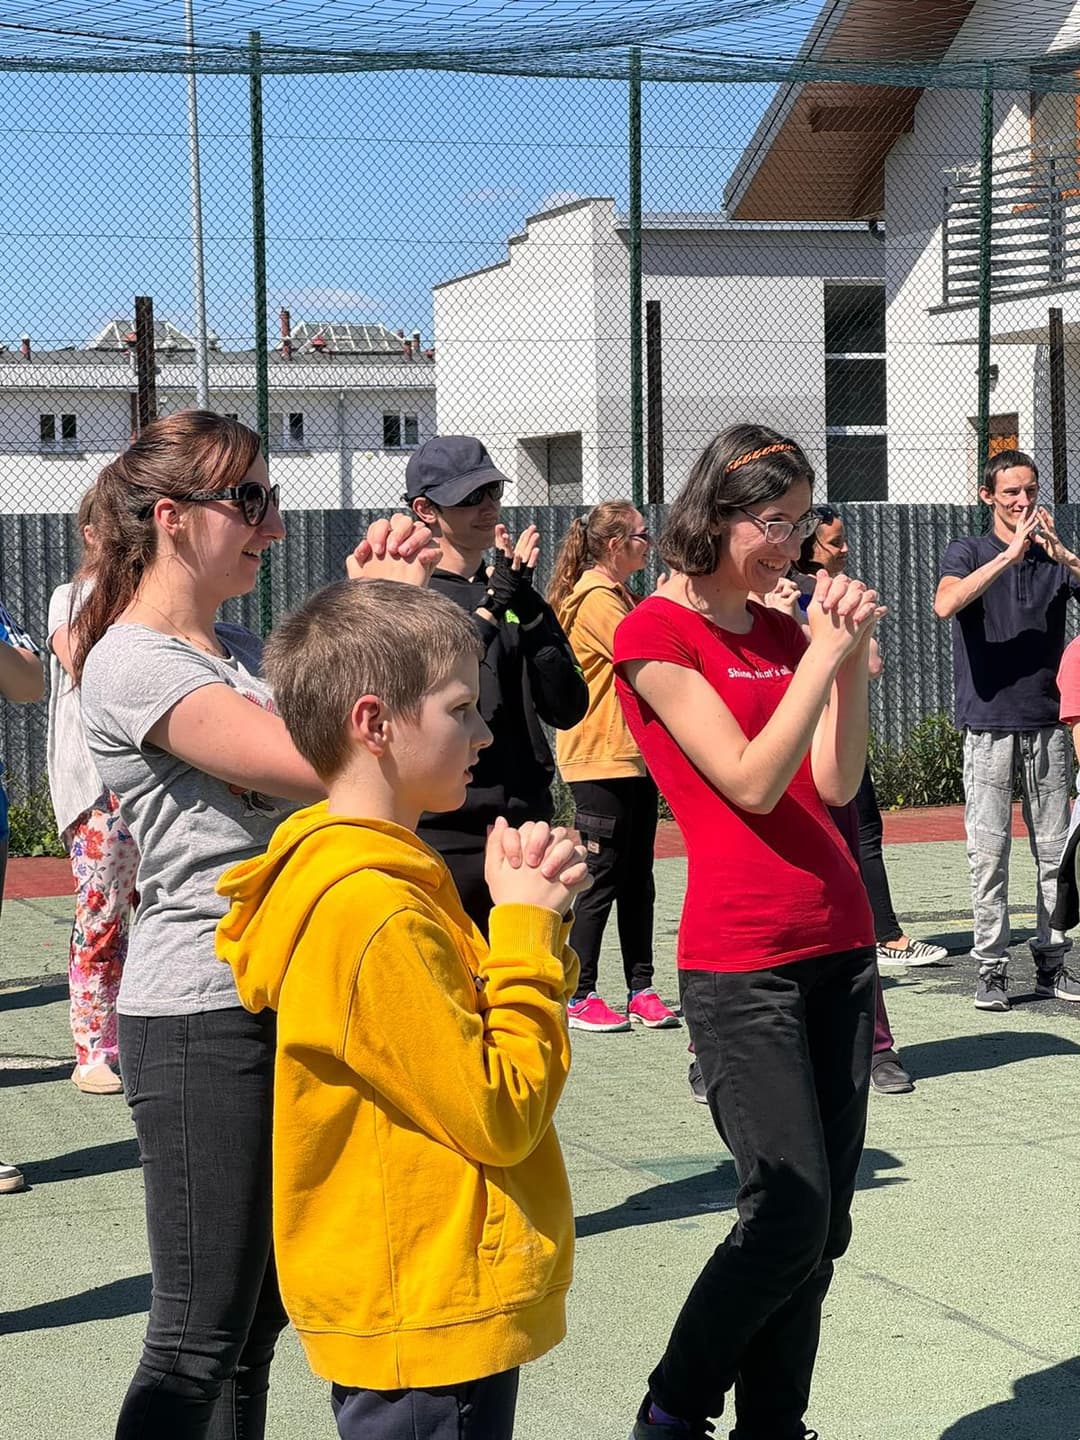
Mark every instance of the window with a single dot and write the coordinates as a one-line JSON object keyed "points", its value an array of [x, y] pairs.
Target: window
{"points": [[400, 431], [856, 402], [58, 432], [287, 430]]}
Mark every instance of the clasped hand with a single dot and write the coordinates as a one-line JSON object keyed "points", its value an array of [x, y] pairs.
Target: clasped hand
{"points": [[842, 614], [535, 865]]}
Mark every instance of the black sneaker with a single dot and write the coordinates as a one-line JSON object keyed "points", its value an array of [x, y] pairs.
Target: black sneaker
{"points": [[697, 1084], [1057, 982], [991, 991], [888, 1076], [644, 1429]]}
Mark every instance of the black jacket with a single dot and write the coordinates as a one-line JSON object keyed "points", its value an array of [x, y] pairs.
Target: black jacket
{"points": [[526, 676]]}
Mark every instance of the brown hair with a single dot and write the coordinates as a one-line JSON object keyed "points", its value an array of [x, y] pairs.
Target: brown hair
{"points": [[1006, 460], [742, 466], [361, 637], [85, 514], [585, 543], [173, 457]]}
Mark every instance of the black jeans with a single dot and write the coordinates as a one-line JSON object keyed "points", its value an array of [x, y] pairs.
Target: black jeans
{"points": [[785, 1054], [872, 863], [478, 1410], [200, 1089], [617, 821]]}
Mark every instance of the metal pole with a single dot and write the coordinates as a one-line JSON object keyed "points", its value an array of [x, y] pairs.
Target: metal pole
{"points": [[654, 375], [1057, 406], [258, 247], [637, 418], [986, 159], [198, 275], [144, 359]]}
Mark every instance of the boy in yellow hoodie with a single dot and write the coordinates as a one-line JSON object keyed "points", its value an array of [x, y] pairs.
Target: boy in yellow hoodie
{"points": [[422, 1218]]}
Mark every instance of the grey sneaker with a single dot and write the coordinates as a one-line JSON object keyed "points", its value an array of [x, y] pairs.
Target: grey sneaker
{"points": [[1057, 982], [888, 1076], [991, 993]]}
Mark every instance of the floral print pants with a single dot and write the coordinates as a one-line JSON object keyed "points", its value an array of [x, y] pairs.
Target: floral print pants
{"points": [[103, 861]]}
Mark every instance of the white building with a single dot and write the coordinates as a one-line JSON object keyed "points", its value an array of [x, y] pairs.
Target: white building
{"points": [[828, 151], [347, 405], [533, 354]]}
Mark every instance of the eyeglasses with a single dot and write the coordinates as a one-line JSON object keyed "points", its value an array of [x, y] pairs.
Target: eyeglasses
{"points": [[776, 532], [493, 490], [640, 535], [253, 499]]}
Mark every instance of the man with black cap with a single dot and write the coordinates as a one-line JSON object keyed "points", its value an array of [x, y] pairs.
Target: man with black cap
{"points": [[528, 674]]}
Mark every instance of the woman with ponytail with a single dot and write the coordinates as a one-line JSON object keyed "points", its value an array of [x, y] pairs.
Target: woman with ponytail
{"points": [[614, 798], [182, 729]]}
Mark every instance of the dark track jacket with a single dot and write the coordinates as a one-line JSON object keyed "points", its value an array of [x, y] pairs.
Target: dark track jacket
{"points": [[526, 676]]}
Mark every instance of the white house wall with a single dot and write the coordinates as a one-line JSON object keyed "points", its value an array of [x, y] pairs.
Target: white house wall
{"points": [[342, 464], [932, 361]]}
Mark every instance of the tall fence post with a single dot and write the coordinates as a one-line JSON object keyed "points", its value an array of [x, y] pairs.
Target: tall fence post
{"points": [[654, 371], [258, 248], [986, 161], [145, 373], [637, 417], [198, 273], [1058, 444]]}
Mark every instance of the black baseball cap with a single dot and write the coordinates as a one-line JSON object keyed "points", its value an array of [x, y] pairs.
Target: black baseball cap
{"points": [[446, 468]]}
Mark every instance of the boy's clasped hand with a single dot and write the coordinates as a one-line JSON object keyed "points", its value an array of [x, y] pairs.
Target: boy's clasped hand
{"points": [[535, 864]]}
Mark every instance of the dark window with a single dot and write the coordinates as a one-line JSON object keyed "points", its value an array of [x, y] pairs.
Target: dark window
{"points": [[296, 428], [412, 429], [68, 428], [854, 319], [857, 467], [391, 432], [855, 392], [47, 429]]}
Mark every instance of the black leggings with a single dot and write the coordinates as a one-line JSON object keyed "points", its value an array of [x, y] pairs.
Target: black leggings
{"points": [[617, 821], [871, 863]]}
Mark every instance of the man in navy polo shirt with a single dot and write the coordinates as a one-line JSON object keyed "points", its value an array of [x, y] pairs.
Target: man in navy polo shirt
{"points": [[1006, 594]]}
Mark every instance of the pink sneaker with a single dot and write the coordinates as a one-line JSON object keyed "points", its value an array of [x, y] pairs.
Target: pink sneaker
{"points": [[593, 1014], [647, 1008]]}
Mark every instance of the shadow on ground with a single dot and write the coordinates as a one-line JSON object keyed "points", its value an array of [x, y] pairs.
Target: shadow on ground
{"points": [[705, 1193], [130, 1296], [37, 1074], [93, 1160], [989, 1051], [1044, 1404], [36, 995]]}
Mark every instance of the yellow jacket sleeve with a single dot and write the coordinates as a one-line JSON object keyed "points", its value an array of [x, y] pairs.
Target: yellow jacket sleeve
{"points": [[596, 621], [477, 1061]]}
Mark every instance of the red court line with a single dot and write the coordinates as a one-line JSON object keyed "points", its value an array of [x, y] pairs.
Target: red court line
{"points": [[33, 879]]}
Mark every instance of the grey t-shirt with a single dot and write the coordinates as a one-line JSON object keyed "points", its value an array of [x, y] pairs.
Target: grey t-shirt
{"points": [[188, 826]]}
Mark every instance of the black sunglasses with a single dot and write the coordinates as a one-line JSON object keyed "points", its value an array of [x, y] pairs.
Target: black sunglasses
{"points": [[253, 499], [493, 490]]}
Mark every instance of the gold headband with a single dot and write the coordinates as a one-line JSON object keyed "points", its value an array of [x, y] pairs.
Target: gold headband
{"points": [[776, 449]]}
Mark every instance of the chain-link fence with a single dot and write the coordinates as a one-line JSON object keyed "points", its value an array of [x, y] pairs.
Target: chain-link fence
{"points": [[592, 235]]}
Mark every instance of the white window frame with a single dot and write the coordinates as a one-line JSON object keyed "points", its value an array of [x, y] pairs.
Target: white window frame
{"points": [[403, 418]]}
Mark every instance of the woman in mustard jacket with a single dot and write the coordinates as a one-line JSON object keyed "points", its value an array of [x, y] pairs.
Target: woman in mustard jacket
{"points": [[615, 798]]}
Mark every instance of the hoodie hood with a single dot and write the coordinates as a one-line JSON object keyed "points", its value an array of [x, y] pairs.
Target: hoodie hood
{"points": [[271, 896], [591, 580]]}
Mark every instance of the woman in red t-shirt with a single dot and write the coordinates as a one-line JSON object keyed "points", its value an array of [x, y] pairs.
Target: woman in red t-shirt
{"points": [[751, 732]]}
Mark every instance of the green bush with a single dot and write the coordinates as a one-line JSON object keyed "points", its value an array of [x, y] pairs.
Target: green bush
{"points": [[32, 823], [928, 769]]}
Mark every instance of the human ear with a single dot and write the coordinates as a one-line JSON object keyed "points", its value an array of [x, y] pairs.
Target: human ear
{"points": [[369, 724]]}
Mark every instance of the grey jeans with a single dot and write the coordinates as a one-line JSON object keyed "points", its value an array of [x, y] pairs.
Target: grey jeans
{"points": [[992, 759]]}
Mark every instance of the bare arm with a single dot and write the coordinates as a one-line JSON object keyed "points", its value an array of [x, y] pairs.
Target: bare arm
{"points": [[838, 752], [22, 679], [60, 644], [218, 731], [954, 592]]}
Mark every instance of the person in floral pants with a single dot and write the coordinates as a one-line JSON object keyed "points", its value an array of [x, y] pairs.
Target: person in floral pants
{"points": [[102, 853], [103, 861]]}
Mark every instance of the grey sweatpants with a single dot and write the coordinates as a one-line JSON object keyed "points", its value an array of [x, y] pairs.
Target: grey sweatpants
{"points": [[992, 758]]}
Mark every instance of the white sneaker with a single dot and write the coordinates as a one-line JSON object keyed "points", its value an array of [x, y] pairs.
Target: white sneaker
{"points": [[917, 952], [11, 1179]]}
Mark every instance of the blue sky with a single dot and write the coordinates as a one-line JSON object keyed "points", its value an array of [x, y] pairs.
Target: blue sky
{"points": [[378, 185]]}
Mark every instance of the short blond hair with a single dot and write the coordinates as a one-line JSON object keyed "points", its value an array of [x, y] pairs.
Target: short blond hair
{"points": [[361, 637]]}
